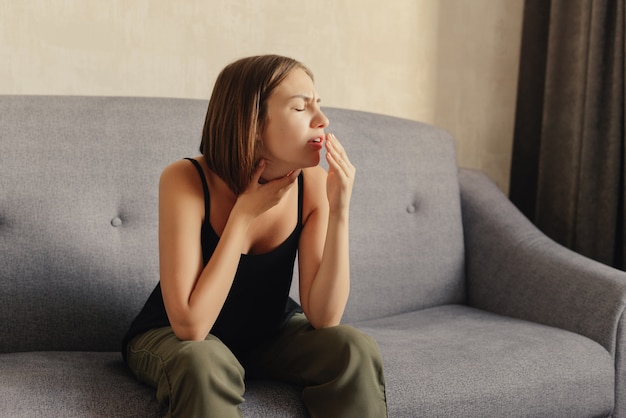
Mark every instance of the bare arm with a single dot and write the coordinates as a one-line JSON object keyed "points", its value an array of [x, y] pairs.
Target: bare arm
{"points": [[194, 294], [324, 245]]}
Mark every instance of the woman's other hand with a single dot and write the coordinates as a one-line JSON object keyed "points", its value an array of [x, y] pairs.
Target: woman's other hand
{"points": [[259, 198], [341, 175]]}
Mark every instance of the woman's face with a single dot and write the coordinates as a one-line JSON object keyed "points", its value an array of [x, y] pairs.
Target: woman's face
{"points": [[293, 133]]}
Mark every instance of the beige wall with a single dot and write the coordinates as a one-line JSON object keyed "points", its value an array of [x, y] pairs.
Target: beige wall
{"points": [[449, 62], [477, 66]]}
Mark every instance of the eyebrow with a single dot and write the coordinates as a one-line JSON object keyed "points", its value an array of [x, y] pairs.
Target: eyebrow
{"points": [[305, 97]]}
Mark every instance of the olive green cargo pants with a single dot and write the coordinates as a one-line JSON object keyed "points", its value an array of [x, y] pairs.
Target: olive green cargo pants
{"points": [[339, 369]]}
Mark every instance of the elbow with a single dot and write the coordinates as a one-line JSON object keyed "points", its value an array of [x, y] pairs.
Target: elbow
{"points": [[319, 323], [189, 333], [186, 326], [323, 316]]}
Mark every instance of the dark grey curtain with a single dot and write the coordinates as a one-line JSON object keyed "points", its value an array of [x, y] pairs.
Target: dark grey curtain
{"points": [[567, 172]]}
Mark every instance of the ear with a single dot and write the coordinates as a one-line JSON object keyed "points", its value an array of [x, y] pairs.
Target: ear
{"points": [[258, 137], [258, 144]]}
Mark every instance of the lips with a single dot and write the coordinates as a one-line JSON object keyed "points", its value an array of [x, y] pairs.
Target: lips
{"points": [[316, 143]]}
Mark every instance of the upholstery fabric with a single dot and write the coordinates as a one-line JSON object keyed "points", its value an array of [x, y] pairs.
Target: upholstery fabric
{"points": [[102, 386], [406, 235], [501, 367], [79, 229], [475, 311], [464, 362], [532, 277], [78, 189]]}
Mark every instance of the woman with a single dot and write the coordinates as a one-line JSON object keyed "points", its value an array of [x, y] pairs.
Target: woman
{"points": [[230, 224]]}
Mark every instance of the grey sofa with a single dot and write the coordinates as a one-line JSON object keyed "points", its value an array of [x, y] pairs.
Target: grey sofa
{"points": [[477, 313]]}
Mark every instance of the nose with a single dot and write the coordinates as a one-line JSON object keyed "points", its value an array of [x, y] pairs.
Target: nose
{"points": [[320, 120]]}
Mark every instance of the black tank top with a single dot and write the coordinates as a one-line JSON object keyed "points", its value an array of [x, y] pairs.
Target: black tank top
{"points": [[258, 304]]}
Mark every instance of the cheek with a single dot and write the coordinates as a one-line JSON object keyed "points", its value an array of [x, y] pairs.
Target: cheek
{"points": [[284, 135], [284, 132]]}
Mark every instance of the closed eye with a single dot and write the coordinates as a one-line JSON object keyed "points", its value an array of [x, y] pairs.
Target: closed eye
{"points": [[306, 99]]}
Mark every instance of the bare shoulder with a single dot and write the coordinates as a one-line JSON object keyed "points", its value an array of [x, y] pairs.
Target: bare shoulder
{"points": [[180, 173], [181, 183], [179, 170]]}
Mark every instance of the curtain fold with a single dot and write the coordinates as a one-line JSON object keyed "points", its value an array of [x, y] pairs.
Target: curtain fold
{"points": [[567, 172]]}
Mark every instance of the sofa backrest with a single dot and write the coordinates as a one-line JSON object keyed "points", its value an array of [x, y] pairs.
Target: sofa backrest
{"points": [[78, 214], [405, 223]]}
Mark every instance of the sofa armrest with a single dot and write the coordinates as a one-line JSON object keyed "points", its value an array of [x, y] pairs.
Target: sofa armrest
{"points": [[513, 269]]}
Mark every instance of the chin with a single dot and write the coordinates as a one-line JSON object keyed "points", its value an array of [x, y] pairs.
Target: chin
{"points": [[307, 162], [313, 162]]}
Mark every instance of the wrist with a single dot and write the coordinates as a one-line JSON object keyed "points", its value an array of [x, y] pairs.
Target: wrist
{"points": [[241, 210], [240, 218], [339, 215]]}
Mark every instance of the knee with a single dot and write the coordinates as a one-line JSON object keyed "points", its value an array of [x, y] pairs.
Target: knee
{"points": [[207, 361], [353, 343], [202, 378]]}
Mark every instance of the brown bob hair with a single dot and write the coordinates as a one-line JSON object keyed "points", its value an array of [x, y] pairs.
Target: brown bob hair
{"points": [[236, 115]]}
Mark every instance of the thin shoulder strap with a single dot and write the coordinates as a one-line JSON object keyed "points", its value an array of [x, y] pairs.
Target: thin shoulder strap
{"points": [[300, 197], [205, 187], [207, 201]]}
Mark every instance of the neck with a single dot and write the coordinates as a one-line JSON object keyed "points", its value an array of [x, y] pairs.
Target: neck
{"points": [[273, 172]]}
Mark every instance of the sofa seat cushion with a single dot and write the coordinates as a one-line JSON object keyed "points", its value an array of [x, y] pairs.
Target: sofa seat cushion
{"points": [[98, 384], [457, 361], [450, 361]]}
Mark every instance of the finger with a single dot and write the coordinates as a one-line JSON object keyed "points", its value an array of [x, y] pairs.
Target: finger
{"points": [[331, 149], [340, 158], [334, 142], [291, 177], [336, 165], [256, 175], [285, 181], [337, 150]]}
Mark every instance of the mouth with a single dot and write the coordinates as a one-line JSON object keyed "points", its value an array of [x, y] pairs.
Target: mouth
{"points": [[316, 143]]}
